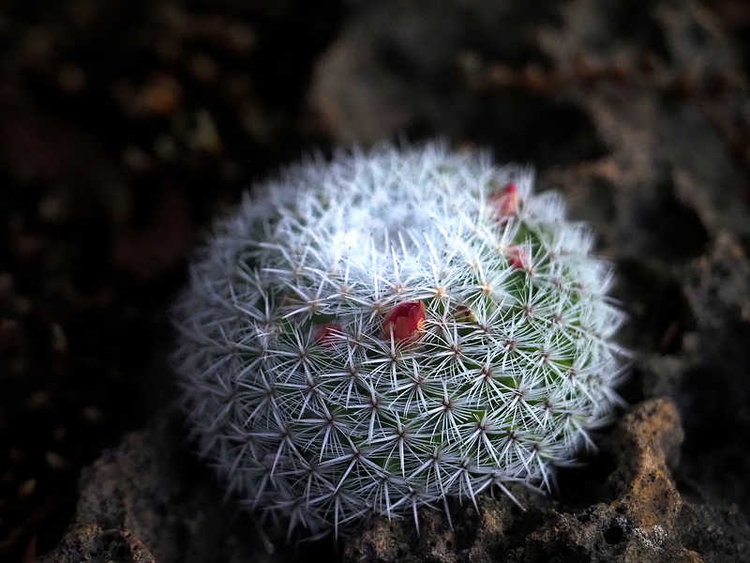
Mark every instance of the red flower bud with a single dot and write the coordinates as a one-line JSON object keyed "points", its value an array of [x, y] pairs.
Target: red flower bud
{"points": [[505, 201], [405, 321], [518, 257], [326, 335]]}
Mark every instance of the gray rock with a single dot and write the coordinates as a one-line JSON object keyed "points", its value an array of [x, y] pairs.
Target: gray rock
{"points": [[646, 520], [148, 500]]}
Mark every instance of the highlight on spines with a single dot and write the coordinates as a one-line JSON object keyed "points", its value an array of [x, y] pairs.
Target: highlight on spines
{"points": [[390, 328]]}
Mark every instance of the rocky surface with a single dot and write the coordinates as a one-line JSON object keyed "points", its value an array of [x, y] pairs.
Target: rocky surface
{"points": [[646, 520], [640, 115], [148, 501]]}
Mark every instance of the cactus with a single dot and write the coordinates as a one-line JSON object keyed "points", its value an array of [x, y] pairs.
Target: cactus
{"points": [[390, 329]]}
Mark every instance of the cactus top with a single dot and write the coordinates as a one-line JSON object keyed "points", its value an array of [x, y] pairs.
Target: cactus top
{"points": [[390, 328]]}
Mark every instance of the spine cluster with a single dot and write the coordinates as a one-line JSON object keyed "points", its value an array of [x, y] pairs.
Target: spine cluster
{"points": [[391, 328]]}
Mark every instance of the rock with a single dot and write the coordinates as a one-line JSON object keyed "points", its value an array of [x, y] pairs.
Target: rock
{"points": [[718, 288], [373, 104], [647, 520], [148, 501]]}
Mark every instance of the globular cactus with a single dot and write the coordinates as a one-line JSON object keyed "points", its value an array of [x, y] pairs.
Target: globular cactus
{"points": [[392, 328]]}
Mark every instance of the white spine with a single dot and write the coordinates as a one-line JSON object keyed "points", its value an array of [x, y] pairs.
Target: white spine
{"points": [[513, 367]]}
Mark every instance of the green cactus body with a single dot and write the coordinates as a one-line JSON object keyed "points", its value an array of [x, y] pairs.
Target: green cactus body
{"points": [[391, 328]]}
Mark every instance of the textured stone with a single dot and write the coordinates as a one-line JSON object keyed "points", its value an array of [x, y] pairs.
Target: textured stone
{"points": [[647, 520], [148, 501]]}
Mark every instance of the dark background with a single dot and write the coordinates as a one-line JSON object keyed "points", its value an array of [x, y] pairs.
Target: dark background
{"points": [[126, 125]]}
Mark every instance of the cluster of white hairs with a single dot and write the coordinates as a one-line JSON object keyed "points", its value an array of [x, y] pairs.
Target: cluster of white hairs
{"points": [[390, 328]]}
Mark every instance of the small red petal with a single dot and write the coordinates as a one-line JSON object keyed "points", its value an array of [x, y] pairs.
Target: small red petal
{"points": [[517, 257], [325, 335], [405, 321], [505, 201]]}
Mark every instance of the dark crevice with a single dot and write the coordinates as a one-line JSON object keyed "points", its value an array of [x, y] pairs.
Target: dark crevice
{"points": [[658, 312]]}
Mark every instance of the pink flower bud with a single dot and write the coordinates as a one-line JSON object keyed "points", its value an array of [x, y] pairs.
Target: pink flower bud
{"points": [[505, 201], [405, 321], [518, 257], [326, 334]]}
